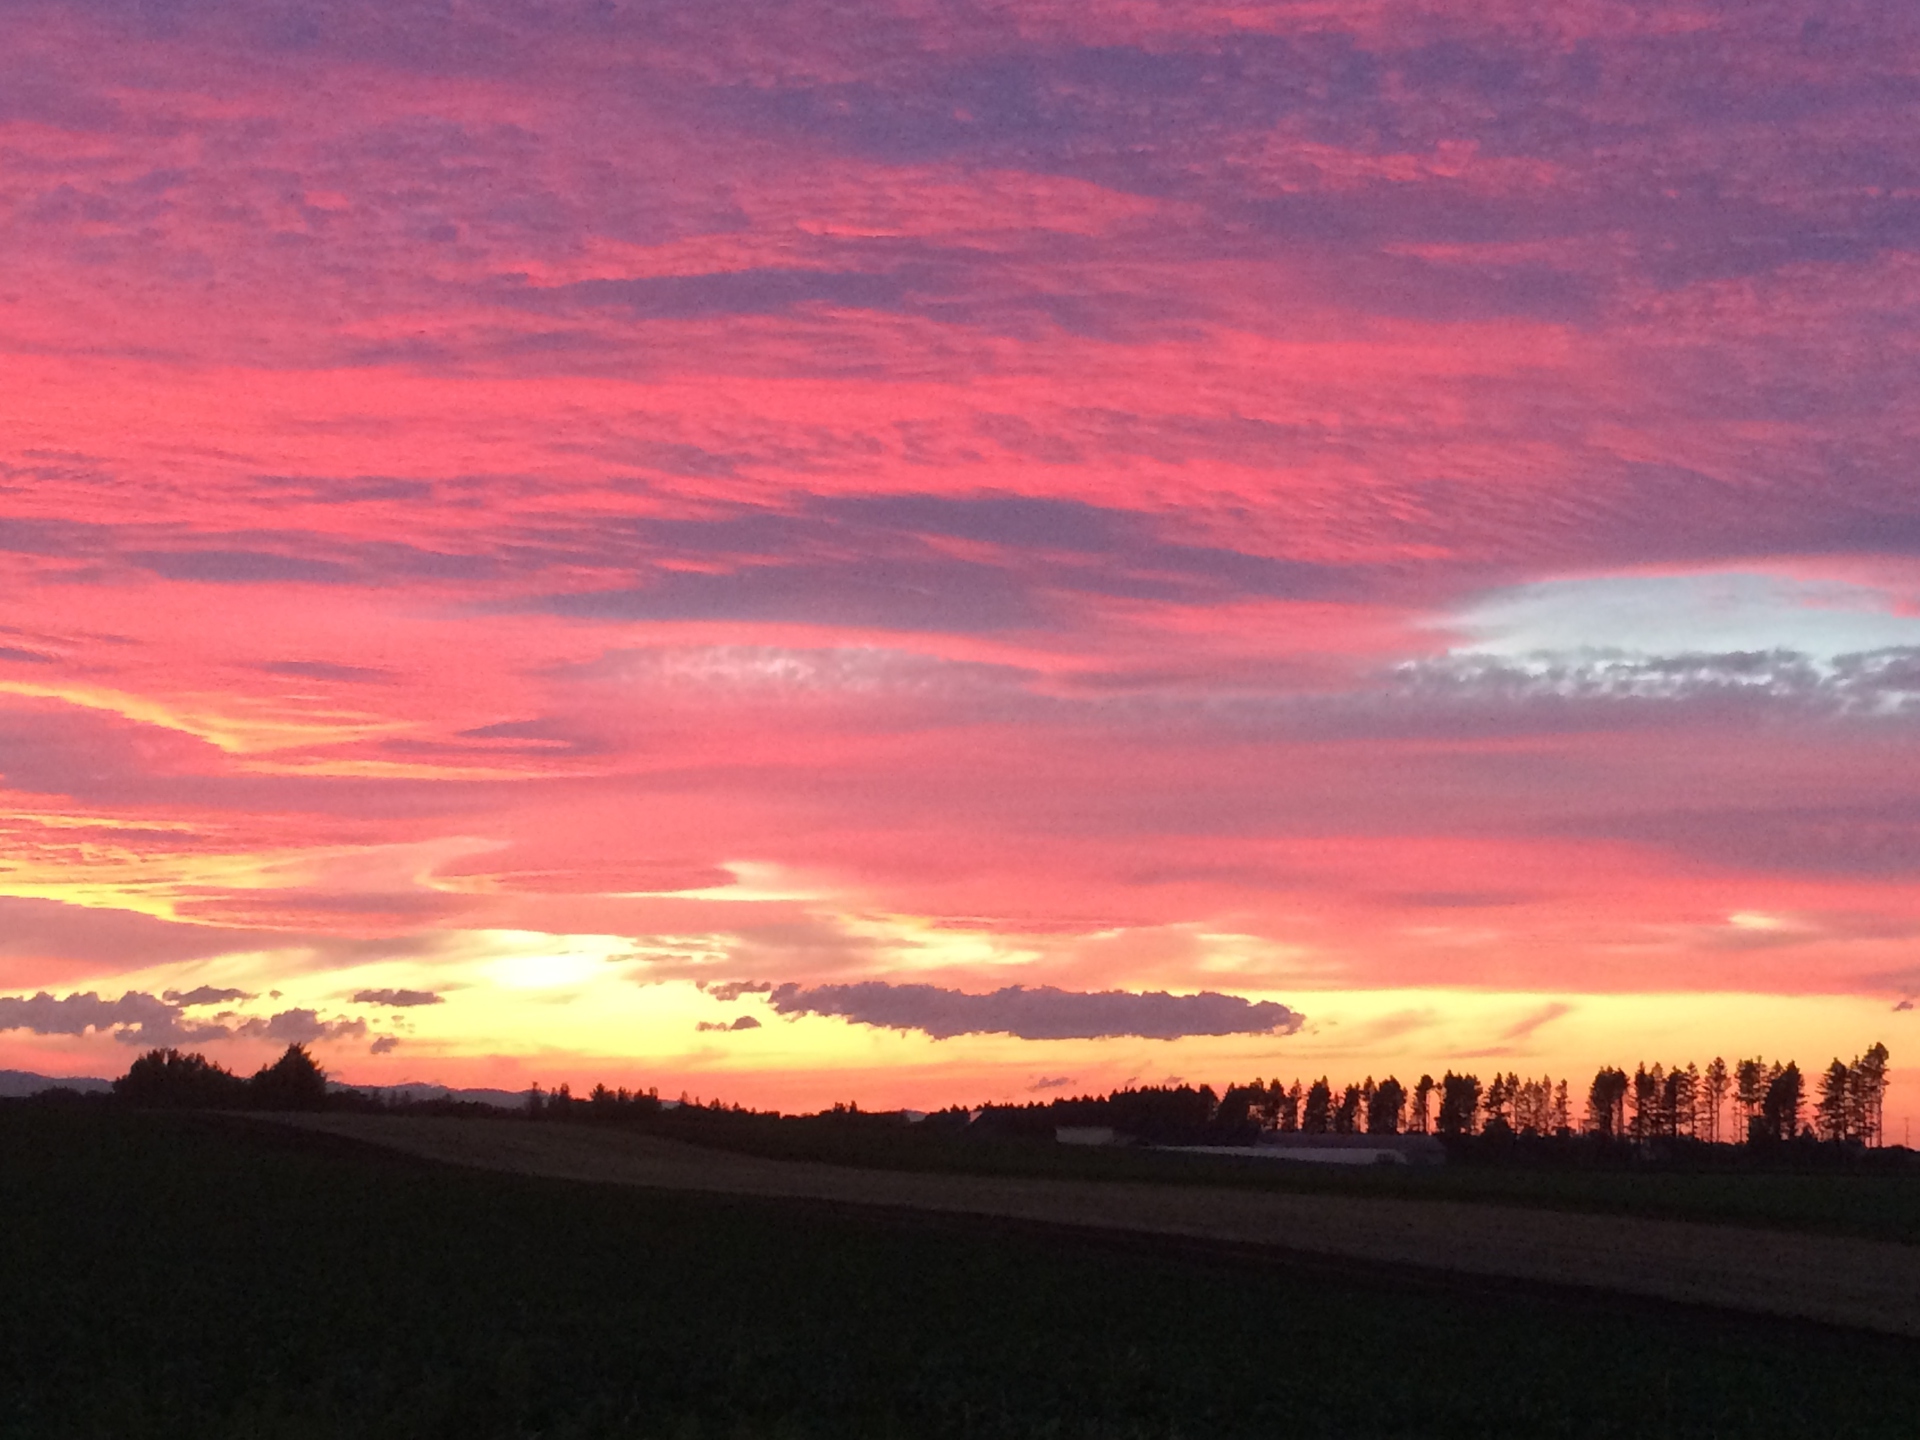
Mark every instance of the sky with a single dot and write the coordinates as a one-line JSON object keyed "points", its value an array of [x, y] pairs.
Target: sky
{"points": [[929, 552]]}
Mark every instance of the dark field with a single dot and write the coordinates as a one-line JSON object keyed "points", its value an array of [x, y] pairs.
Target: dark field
{"points": [[1876, 1196], [186, 1276]]}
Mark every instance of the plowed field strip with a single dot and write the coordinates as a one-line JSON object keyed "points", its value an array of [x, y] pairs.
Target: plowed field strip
{"points": [[1866, 1283]]}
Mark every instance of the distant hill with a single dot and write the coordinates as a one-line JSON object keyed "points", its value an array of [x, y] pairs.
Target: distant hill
{"points": [[15, 1083]]}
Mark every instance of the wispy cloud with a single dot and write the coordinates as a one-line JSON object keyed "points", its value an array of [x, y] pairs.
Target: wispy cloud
{"points": [[399, 999], [1527, 1026]]}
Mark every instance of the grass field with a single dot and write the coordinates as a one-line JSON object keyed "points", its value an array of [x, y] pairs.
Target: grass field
{"points": [[183, 1276]]}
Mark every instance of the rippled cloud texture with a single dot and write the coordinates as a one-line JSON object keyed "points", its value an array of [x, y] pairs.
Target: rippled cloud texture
{"points": [[1047, 525]]}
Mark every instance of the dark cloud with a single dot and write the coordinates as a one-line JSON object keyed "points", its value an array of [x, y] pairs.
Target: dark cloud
{"points": [[1039, 1013], [733, 292], [730, 990], [204, 995], [241, 567], [927, 595], [877, 561], [348, 490], [745, 1022], [1869, 841], [383, 1044], [398, 999]]}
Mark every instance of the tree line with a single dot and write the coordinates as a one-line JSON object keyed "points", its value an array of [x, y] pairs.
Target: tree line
{"points": [[1768, 1101], [1752, 1100]]}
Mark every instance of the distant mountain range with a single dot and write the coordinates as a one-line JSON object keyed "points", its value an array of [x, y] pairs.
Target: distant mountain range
{"points": [[424, 1090], [17, 1083]]}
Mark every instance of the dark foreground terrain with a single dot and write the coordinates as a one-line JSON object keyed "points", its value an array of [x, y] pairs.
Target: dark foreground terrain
{"points": [[196, 1276]]}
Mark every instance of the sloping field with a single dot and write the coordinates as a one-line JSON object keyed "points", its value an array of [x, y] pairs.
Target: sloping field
{"points": [[1870, 1284]]}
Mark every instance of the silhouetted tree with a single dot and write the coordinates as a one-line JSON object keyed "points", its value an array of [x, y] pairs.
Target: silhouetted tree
{"points": [[1170, 1114], [1459, 1103], [1644, 1104], [1714, 1095], [1283, 1107], [1833, 1111], [1533, 1106], [168, 1078], [1685, 1085], [1498, 1105], [1867, 1084], [1780, 1109], [1346, 1119], [1238, 1115], [293, 1082], [1385, 1109], [1317, 1115], [1422, 1105], [1750, 1088], [1606, 1102]]}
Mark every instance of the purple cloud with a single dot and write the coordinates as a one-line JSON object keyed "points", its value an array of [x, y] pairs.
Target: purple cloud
{"points": [[730, 990], [299, 1027], [1040, 1013], [745, 1022], [135, 1018]]}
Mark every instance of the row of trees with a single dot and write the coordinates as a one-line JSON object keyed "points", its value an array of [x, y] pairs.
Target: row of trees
{"points": [[1769, 1102], [1452, 1105], [1750, 1100]]}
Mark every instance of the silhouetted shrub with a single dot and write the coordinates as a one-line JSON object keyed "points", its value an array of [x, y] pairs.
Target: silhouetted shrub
{"points": [[293, 1082], [167, 1079]]}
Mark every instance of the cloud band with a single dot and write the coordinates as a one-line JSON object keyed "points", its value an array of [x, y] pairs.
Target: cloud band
{"points": [[1042, 1012]]}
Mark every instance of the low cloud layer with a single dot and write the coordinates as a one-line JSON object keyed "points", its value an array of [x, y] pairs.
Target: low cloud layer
{"points": [[141, 1019], [398, 999], [134, 1019], [1040, 1013]]}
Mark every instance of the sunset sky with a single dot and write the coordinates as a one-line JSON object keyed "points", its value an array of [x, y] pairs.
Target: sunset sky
{"points": [[702, 544]]}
